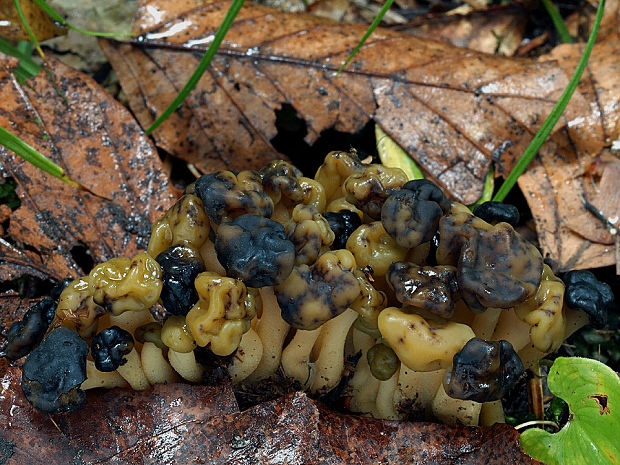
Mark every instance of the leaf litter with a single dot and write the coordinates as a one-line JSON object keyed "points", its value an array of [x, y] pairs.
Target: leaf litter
{"points": [[453, 110], [180, 423], [76, 440], [67, 116]]}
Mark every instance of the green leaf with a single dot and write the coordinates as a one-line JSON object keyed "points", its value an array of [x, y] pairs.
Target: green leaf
{"points": [[202, 66], [554, 116], [384, 9], [592, 434], [392, 155]]}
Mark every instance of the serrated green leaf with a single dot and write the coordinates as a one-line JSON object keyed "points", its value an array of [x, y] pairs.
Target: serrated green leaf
{"points": [[592, 434]]}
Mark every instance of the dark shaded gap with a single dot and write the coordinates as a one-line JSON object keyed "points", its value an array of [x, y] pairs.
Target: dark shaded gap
{"points": [[290, 141], [81, 255]]}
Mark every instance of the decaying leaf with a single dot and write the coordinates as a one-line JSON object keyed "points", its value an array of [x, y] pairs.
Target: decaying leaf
{"points": [[452, 109], [496, 30], [66, 116], [569, 170], [42, 26], [179, 423]]}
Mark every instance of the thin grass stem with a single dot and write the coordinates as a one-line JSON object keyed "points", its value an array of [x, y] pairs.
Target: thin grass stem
{"points": [[384, 9], [31, 155], [543, 133], [558, 22], [27, 28], [202, 66]]}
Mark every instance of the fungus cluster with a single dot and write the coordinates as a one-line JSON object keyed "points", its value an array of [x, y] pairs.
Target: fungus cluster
{"points": [[358, 279]]}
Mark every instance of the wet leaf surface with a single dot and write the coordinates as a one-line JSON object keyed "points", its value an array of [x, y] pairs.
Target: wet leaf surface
{"points": [[452, 109], [70, 119], [110, 423], [181, 423]]}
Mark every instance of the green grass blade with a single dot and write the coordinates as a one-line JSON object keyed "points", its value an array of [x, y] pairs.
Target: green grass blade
{"points": [[26, 27], [558, 22], [487, 190], [202, 66], [56, 17], [386, 6], [31, 155], [555, 114], [27, 66]]}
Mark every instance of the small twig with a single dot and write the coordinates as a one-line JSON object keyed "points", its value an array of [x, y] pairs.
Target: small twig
{"points": [[192, 169], [535, 393], [612, 228]]}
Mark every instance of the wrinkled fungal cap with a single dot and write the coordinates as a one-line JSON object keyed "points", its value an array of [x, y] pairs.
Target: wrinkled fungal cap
{"points": [[586, 293], [373, 246], [411, 215], [184, 223], [496, 267], [313, 295], [382, 361], [255, 250], [53, 372], [227, 195], [314, 193], [76, 309], [369, 303], [222, 314], [497, 212], [544, 313], [482, 371], [280, 180], [310, 234], [342, 223], [123, 284], [421, 344], [432, 288], [368, 189], [109, 348], [29, 331], [180, 264], [337, 167]]}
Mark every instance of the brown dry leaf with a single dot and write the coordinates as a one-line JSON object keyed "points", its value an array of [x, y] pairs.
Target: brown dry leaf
{"points": [[347, 439], [452, 109], [66, 116], [179, 423], [42, 26], [495, 30], [566, 173], [110, 423]]}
